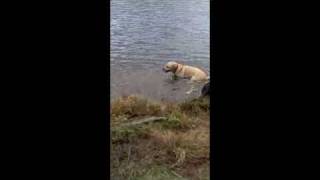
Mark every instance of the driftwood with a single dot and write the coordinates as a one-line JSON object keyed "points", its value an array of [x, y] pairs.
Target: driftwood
{"points": [[145, 120]]}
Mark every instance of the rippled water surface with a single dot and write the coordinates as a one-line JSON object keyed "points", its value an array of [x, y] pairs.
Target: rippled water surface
{"points": [[145, 34]]}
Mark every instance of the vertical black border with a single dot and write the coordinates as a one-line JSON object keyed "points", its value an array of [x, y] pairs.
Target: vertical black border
{"points": [[258, 113], [213, 39], [60, 90]]}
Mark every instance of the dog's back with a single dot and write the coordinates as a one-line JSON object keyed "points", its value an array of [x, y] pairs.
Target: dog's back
{"points": [[196, 73]]}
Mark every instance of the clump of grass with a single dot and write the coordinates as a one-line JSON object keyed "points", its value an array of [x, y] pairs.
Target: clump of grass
{"points": [[174, 148], [125, 134], [132, 106], [174, 120], [195, 106], [178, 121], [159, 173]]}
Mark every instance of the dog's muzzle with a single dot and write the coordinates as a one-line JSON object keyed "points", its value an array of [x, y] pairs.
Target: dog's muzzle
{"points": [[165, 70]]}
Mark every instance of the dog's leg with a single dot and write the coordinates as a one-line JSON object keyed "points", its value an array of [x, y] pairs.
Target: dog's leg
{"points": [[194, 83], [192, 86], [191, 90]]}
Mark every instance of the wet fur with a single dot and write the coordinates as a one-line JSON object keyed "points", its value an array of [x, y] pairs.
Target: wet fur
{"points": [[195, 74]]}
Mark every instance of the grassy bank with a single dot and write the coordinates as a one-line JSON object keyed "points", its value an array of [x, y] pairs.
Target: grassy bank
{"points": [[159, 140]]}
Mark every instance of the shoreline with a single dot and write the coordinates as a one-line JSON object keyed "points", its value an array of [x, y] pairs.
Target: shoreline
{"points": [[152, 139]]}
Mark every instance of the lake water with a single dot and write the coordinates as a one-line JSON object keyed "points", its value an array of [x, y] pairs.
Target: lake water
{"points": [[145, 34]]}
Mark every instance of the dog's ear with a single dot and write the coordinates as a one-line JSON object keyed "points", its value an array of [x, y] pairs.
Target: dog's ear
{"points": [[175, 67]]}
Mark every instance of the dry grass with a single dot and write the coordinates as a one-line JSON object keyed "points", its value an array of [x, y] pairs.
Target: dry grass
{"points": [[175, 148]]}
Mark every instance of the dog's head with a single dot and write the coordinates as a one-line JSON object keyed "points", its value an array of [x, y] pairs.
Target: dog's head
{"points": [[170, 66]]}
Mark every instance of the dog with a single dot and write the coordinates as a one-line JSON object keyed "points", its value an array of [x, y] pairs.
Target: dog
{"points": [[194, 74]]}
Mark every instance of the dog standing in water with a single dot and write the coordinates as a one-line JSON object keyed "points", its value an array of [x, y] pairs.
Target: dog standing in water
{"points": [[196, 75]]}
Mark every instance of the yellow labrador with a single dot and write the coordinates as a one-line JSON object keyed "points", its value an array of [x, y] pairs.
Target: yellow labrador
{"points": [[185, 71]]}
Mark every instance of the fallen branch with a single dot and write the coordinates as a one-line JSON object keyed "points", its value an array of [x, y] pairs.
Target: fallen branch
{"points": [[176, 174], [145, 120]]}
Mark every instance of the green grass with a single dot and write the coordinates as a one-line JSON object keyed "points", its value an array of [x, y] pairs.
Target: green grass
{"points": [[159, 173], [174, 148]]}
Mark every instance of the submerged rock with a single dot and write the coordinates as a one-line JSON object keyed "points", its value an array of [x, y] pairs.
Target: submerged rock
{"points": [[205, 90]]}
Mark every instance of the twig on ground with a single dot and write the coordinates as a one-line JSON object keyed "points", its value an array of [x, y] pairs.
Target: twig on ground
{"points": [[145, 120], [178, 175]]}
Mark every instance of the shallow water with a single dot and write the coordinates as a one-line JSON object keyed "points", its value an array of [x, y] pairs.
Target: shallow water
{"points": [[145, 34]]}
